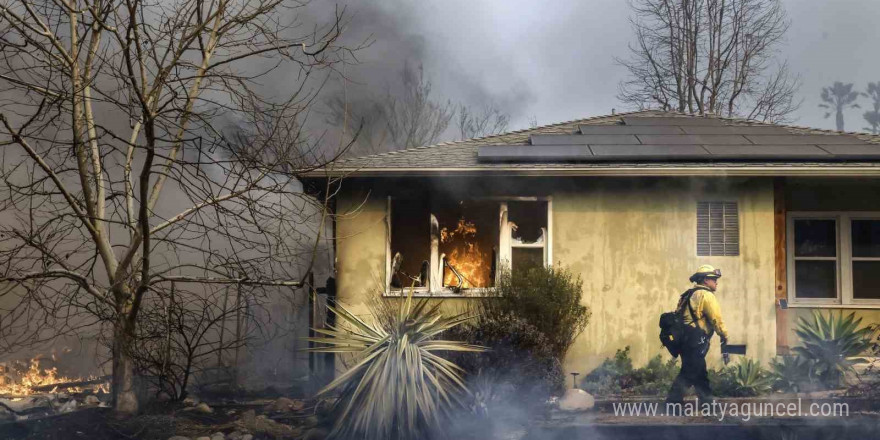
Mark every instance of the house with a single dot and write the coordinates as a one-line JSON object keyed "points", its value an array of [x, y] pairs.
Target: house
{"points": [[632, 203]]}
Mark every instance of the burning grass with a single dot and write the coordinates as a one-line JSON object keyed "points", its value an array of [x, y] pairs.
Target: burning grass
{"points": [[25, 378]]}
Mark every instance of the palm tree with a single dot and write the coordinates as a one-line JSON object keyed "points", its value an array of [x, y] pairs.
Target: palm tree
{"points": [[873, 116], [838, 97]]}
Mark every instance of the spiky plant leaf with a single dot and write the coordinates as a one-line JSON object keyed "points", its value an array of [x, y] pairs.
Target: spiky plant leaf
{"points": [[790, 374], [831, 343], [750, 378], [399, 387]]}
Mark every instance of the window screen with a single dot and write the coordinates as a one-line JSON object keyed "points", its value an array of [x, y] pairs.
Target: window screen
{"points": [[717, 229]]}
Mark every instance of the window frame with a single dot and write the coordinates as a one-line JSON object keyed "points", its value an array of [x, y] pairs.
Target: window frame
{"points": [[844, 267], [505, 249]]}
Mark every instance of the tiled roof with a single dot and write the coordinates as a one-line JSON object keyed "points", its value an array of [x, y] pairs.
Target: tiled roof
{"points": [[714, 142]]}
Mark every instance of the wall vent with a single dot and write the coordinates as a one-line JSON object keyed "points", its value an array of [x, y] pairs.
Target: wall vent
{"points": [[717, 229]]}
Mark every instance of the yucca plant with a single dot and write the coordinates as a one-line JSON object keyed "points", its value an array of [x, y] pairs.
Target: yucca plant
{"points": [[830, 344], [399, 387], [790, 374]]}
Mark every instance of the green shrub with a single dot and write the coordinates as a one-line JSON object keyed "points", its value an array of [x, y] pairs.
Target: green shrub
{"points": [[399, 387], [548, 298], [616, 376], [610, 377], [744, 379], [829, 344], [519, 357], [527, 326], [790, 374], [656, 377]]}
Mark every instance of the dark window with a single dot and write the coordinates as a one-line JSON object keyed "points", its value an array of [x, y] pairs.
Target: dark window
{"points": [[815, 238], [815, 258], [717, 229], [816, 279], [411, 242], [527, 258], [866, 279], [866, 259]]}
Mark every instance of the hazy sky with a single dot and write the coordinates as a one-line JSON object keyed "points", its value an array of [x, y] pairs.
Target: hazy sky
{"points": [[554, 60]]}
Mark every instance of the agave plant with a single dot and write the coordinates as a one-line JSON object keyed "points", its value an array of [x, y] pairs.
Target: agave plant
{"points": [[790, 374], [399, 387], [750, 378], [831, 344]]}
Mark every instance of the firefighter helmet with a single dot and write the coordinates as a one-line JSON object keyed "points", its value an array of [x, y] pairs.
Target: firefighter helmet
{"points": [[705, 271]]}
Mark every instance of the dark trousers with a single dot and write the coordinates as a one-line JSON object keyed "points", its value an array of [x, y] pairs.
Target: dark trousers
{"points": [[693, 373]]}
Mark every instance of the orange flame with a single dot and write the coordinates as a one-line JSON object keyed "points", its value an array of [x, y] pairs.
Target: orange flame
{"points": [[32, 375], [466, 256]]}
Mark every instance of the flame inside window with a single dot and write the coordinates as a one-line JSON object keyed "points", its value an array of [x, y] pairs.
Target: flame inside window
{"points": [[468, 242]]}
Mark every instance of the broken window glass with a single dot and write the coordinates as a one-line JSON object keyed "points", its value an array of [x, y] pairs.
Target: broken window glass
{"points": [[441, 243], [527, 226], [410, 243]]}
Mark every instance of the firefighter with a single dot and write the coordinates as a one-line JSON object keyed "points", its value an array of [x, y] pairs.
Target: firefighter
{"points": [[702, 318]]}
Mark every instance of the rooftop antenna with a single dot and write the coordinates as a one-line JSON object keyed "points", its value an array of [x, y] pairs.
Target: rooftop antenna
{"points": [[613, 112]]}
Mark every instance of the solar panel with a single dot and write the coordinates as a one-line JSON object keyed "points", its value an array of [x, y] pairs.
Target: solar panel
{"points": [[866, 150], [693, 139], [583, 139], [653, 152], [631, 129], [798, 139], [767, 151], [734, 129]]}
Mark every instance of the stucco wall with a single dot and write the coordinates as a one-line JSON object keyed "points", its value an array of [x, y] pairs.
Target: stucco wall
{"points": [[633, 241], [634, 244]]}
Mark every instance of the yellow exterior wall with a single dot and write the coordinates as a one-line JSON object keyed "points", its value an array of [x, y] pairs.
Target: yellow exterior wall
{"points": [[634, 245], [869, 316], [632, 241]]}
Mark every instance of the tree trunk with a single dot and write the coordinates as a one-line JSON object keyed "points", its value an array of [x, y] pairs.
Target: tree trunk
{"points": [[839, 119], [124, 397]]}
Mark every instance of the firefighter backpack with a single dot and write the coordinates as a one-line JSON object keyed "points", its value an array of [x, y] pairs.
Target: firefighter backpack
{"points": [[672, 327]]}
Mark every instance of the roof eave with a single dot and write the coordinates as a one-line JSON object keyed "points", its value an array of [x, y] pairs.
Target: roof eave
{"points": [[640, 171]]}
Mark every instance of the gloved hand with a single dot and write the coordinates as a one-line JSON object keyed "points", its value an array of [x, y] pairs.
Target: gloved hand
{"points": [[724, 354]]}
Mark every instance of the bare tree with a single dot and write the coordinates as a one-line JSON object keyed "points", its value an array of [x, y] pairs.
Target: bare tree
{"points": [[873, 116], [184, 332], [484, 121], [837, 98], [709, 56], [119, 175], [402, 118]]}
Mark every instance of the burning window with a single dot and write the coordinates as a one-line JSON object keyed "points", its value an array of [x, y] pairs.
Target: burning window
{"points": [[448, 244], [468, 242]]}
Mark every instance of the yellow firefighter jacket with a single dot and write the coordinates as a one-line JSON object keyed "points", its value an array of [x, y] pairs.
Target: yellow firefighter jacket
{"points": [[707, 311]]}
